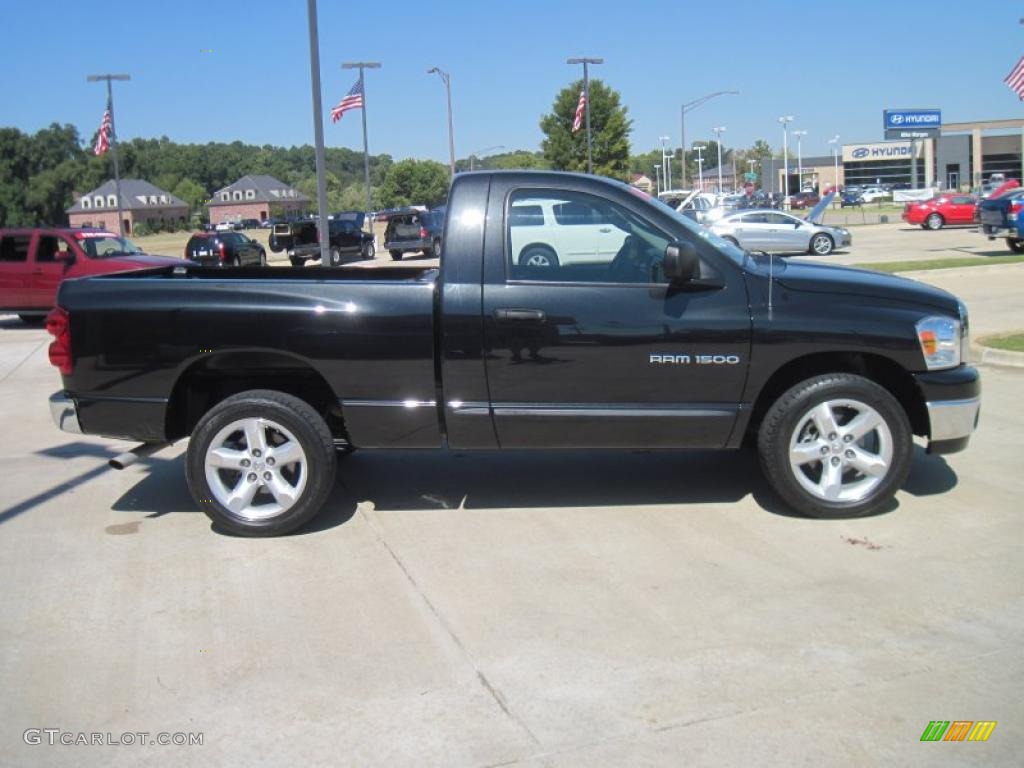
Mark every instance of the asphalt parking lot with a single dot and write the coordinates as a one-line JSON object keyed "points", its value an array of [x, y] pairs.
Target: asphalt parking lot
{"points": [[565, 609]]}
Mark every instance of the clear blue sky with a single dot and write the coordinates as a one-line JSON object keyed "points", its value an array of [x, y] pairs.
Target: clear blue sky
{"points": [[507, 62]]}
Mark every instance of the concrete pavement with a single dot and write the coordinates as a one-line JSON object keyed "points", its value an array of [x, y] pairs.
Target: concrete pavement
{"points": [[559, 609]]}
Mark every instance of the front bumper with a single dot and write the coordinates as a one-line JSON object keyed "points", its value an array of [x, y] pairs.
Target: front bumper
{"points": [[952, 399], [64, 412]]}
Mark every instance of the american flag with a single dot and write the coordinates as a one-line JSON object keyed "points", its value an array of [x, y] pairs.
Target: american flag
{"points": [[580, 107], [103, 140], [1016, 79], [353, 100]]}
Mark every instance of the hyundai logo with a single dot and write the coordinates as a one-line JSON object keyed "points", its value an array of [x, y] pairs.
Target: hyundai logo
{"points": [[860, 152], [896, 119]]}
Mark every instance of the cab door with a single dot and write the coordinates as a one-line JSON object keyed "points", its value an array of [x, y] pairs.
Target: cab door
{"points": [[52, 262], [15, 269], [962, 209], [608, 353]]}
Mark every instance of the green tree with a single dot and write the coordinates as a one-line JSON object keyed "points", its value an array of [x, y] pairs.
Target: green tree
{"points": [[192, 193], [609, 127], [414, 182]]}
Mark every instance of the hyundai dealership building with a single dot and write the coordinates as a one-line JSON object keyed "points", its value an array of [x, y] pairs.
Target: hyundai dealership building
{"points": [[959, 156]]}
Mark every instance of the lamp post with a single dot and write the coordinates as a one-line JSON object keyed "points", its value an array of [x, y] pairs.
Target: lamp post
{"points": [[799, 160], [700, 164], [682, 123], [473, 155], [113, 140], [666, 162], [447, 79], [718, 140], [834, 141], [361, 65], [586, 95], [657, 179], [785, 156]]}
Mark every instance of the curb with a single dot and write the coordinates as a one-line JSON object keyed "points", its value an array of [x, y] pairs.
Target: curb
{"points": [[1002, 358]]}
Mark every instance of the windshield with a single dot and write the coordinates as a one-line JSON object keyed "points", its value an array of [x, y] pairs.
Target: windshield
{"points": [[101, 246], [734, 252]]}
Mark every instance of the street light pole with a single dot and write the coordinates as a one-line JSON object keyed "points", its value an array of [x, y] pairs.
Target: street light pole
{"points": [[586, 103], [666, 163], [113, 141], [718, 140], [451, 135], [700, 164], [682, 123], [475, 153], [799, 159], [785, 156], [834, 141], [657, 179], [362, 65]]}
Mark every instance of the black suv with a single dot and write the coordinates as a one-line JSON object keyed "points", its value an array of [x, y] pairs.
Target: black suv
{"points": [[225, 249], [348, 240], [411, 230]]}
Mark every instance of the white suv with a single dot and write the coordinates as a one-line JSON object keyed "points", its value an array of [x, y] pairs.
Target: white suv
{"points": [[547, 233], [870, 194]]}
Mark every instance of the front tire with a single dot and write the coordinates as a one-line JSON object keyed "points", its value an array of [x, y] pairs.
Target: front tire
{"points": [[435, 249], [836, 446], [32, 319], [934, 221], [537, 256], [335, 257], [297, 262], [1015, 244], [261, 463], [821, 245], [733, 240], [263, 258], [369, 253]]}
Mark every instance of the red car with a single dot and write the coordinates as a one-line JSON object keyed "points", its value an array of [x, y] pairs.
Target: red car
{"points": [[940, 211], [33, 262]]}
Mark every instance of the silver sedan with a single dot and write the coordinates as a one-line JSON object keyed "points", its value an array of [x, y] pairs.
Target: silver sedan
{"points": [[776, 231]]}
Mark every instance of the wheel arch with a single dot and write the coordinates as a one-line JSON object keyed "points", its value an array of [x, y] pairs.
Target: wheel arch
{"points": [[215, 377], [539, 244], [884, 371]]}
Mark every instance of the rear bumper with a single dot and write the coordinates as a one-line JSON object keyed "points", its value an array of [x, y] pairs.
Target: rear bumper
{"points": [[953, 402], [64, 413], [407, 245], [993, 231]]}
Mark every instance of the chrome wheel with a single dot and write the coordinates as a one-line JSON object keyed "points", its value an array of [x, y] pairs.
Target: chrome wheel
{"points": [[934, 221], [822, 245], [841, 450], [256, 468], [537, 257]]}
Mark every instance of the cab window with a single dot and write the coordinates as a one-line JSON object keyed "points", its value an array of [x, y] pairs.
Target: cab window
{"points": [[562, 236], [14, 247]]}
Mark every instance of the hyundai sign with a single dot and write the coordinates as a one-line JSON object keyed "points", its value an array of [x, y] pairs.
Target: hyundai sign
{"points": [[911, 123]]}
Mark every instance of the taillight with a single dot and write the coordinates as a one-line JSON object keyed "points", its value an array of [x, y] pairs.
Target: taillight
{"points": [[222, 254], [58, 324], [423, 233]]}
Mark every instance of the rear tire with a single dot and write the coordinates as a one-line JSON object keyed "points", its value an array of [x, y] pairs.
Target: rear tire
{"points": [[435, 249], [733, 240], [263, 258], [369, 252], [1015, 244], [934, 221], [335, 257], [32, 319], [396, 255], [297, 262], [836, 446], [537, 256], [231, 469]]}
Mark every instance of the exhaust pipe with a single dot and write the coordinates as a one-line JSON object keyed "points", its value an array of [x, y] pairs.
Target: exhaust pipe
{"points": [[126, 459]]}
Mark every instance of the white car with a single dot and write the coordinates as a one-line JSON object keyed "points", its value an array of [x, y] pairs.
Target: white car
{"points": [[870, 194], [547, 233]]}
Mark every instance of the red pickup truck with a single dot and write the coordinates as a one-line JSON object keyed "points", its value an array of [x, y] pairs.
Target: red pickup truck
{"points": [[34, 262]]}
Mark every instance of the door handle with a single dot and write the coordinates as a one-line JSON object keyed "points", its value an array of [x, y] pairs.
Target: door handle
{"points": [[519, 316], [605, 229]]}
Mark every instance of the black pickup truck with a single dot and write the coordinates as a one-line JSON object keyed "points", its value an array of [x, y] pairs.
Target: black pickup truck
{"points": [[644, 331]]}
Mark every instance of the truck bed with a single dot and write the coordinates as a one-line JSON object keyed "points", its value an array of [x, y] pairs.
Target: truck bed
{"points": [[366, 334]]}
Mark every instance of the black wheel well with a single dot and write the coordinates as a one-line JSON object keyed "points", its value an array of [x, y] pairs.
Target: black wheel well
{"points": [[217, 377], [881, 370], [539, 245]]}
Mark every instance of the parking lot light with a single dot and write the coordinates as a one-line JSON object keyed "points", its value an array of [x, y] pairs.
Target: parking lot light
{"points": [[446, 78], [718, 140], [785, 121], [799, 160]]}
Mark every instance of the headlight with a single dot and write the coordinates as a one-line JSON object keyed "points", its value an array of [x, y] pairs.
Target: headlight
{"points": [[940, 341]]}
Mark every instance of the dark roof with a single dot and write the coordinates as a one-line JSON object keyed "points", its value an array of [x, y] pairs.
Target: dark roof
{"points": [[258, 188], [136, 195]]}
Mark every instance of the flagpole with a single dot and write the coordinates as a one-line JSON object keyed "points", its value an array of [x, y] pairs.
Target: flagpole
{"points": [[323, 236], [586, 105], [361, 65], [113, 141]]}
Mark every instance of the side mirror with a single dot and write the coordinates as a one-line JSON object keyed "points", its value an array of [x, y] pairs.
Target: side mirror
{"points": [[681, 263], [65, 257]]}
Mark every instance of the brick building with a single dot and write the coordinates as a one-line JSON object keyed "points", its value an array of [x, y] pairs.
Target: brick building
{"points": [[257, 197], [140, 202]]}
